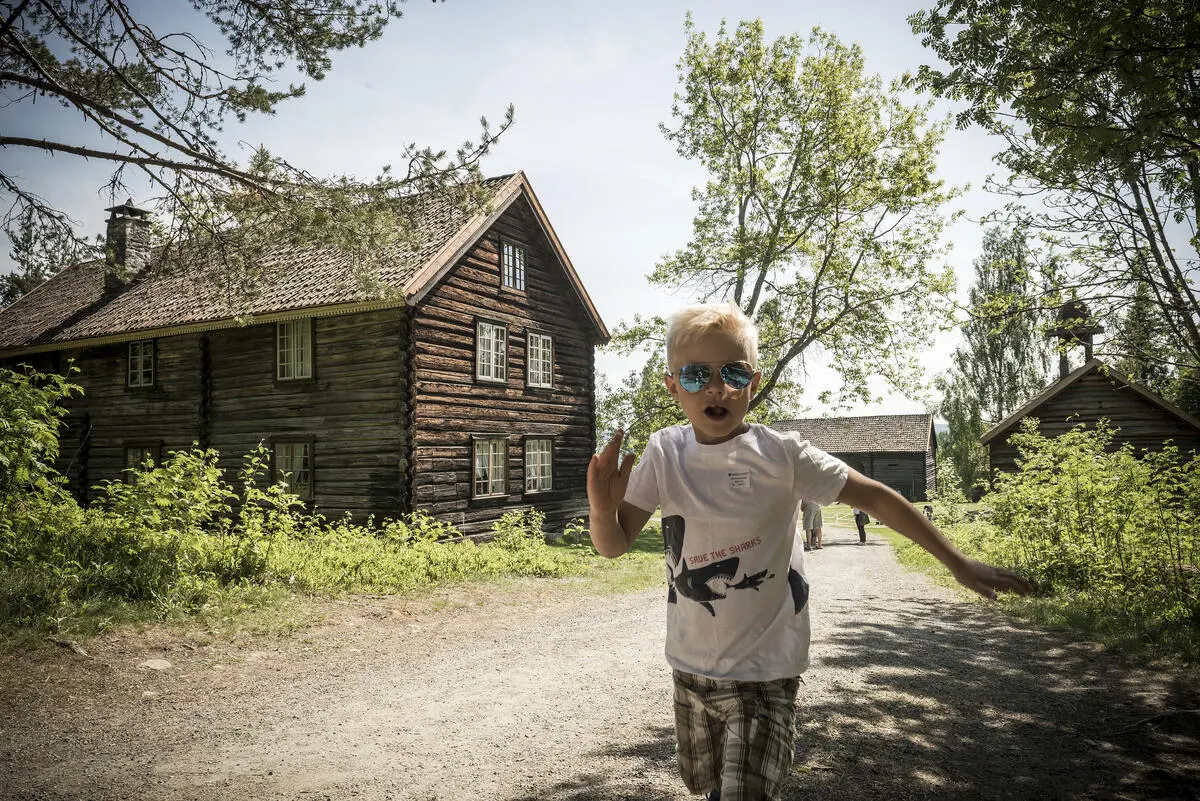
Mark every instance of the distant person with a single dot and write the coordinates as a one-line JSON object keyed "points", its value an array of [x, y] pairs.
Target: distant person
{"points": [[737, 597], [813, 521], [860, 520]]}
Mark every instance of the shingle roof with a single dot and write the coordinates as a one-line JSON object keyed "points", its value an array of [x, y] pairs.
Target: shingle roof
{"points": [[72, 305], [884, 433]]}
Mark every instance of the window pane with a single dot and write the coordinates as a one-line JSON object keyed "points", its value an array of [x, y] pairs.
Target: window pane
{"points": [[303, 349], [293, 465], [294, 348], [483, 350], [500, 353], [481, 468], [512, 265], [141, 364], [283, 349], [491, 351], [497, 482], [541, 371], [489, 476], [538, 464]]}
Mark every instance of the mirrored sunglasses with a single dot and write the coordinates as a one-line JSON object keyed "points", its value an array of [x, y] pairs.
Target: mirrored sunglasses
{"points": [[695, 377]]}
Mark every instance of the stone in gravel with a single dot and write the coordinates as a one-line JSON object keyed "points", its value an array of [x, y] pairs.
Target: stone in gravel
{"points": [[156, 664]]}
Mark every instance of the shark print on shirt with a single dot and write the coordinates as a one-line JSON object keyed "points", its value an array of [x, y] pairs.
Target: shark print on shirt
{"points": [[701, 585]]}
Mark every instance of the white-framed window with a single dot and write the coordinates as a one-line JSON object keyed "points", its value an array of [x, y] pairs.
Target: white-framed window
{"points": [[490, 474], [491, 352], [293, 348], [141, 363], [294, 466], [539, 356], [539, 465], [512, 264], [136, 459]]}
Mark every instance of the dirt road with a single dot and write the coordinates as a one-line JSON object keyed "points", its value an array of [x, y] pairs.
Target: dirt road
{"points": [[540, 693]]}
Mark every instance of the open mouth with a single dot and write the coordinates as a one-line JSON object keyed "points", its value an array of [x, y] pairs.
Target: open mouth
{"points": [[716, 412]]}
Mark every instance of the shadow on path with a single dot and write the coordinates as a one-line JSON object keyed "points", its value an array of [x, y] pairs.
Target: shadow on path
{"points": [[979, 709], [920, 697]]}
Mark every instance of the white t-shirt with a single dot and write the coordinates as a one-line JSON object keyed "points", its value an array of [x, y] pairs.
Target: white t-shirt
{"points": [[737, 602]]}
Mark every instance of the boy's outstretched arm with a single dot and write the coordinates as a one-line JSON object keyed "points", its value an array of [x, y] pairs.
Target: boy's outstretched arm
{"points": [[891, 509], [614, 523]]}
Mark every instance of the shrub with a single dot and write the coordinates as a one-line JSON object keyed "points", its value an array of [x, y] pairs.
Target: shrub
{"points": [[30, 414], [177, 535], [1107, 531]]}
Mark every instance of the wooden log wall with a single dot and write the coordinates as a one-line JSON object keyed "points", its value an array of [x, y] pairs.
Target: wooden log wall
{"points": [[111, 416], [219, 389], [450, 406], [352, 410], [1144, 424], [903, 472], [931, 484]]}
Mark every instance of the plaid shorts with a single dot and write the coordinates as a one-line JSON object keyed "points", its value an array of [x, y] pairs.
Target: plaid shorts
{"points": [[735, 735]]}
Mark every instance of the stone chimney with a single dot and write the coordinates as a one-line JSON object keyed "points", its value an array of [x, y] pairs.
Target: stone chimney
{"points": [[126, 245], [1075, 326]]}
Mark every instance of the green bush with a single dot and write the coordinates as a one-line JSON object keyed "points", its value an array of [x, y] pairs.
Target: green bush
{"points": [[1109, 533], [177, 536]]}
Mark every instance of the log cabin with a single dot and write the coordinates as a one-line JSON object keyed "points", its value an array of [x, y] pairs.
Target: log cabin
{"points": [[1087, 395], [898, 450], [466, 393]]}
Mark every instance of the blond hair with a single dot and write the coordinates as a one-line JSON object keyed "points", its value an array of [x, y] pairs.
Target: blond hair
{"points": [[692, 322]]}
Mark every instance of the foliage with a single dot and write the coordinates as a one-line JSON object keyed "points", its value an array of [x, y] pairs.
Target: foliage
{"points": [[30, 414], [1140, 335], [820, 218], [949, 500], [1003, 359], [1109, 533], [176, 538], [1096, 104], [38, 251], [158, 102]]}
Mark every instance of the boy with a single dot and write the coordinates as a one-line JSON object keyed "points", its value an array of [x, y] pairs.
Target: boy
{"points": [[737, 621]]}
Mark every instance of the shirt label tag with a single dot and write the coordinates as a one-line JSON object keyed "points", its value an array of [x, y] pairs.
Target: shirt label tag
{"points": [[739, 480]]}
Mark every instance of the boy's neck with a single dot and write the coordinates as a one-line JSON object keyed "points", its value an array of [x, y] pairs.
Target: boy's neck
{"points": [[742, 429]]}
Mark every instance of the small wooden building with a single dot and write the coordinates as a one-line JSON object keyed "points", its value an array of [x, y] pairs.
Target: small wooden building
{"points": [[898, 450], [1087, 395], [467, 393]]}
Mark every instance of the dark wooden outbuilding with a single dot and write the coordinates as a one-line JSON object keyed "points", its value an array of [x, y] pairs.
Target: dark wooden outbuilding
{"points": [[898, 450], [467, 393], [1092, 393]]}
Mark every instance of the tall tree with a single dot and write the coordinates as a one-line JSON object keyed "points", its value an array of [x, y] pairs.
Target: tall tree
{"points": [[38, 251], [822, 215], [1003, 359], [1140, 337], [157, 101], [1099, 108]]}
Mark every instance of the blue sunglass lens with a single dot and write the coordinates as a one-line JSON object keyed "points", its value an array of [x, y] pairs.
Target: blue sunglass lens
{"points": [[695, 377], [737, 376]]}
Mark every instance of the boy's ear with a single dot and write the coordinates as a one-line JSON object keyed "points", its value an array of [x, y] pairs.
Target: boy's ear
{"points": [[672, 386], [754, 382]]}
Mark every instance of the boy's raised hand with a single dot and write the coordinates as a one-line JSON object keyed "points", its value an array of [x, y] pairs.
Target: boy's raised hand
{"points": [[606, 477], [985, 579]]}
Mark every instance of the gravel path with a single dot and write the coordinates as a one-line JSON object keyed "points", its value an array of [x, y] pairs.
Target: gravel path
{"points": [[541, 693]]}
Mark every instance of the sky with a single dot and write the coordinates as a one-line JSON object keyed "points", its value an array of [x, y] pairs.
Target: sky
{"points": [[590, 81]]}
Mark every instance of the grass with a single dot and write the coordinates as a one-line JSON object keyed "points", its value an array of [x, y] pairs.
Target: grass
{"points": [[1112, 628], [308, 575]]}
